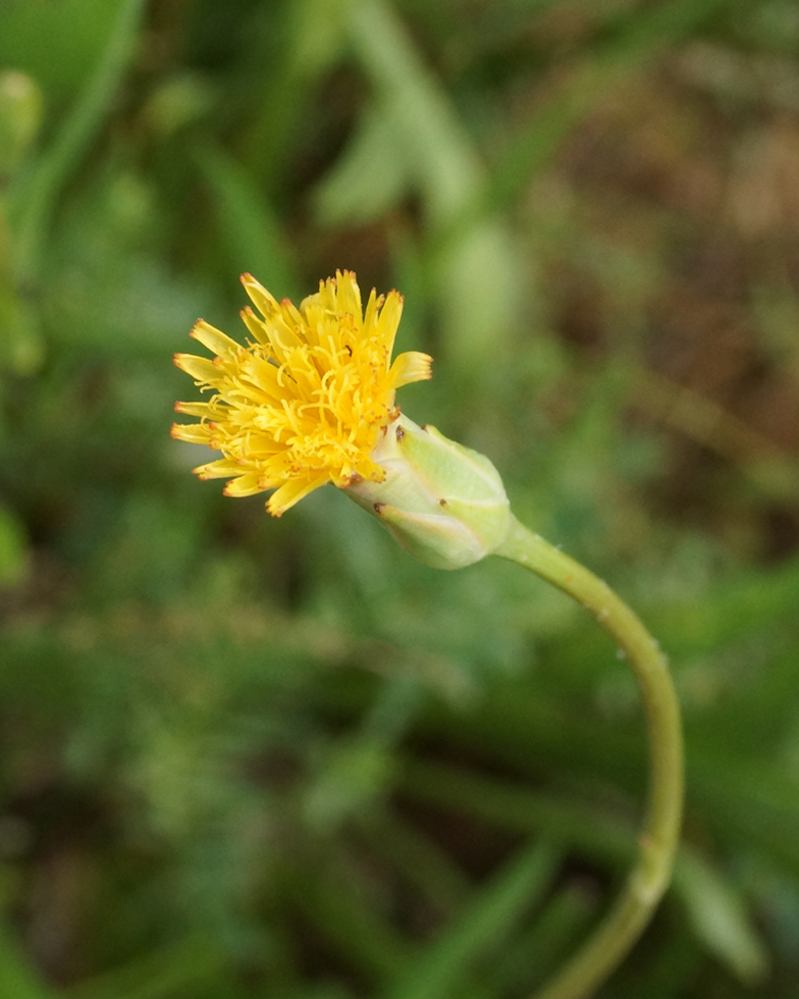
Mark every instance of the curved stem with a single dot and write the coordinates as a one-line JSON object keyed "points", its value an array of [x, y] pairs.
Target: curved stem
{"points": [[657, 844]]}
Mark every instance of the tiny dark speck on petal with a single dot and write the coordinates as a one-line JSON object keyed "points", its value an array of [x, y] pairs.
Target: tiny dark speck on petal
{"points": [[442, 502], [379, 508], [400, 433]]}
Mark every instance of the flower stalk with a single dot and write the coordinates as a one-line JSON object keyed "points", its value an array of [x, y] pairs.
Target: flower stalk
{"points": [[657, 844]]}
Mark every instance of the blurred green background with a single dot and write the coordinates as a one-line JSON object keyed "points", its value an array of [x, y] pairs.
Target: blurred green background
{"points": [[242, 757]]}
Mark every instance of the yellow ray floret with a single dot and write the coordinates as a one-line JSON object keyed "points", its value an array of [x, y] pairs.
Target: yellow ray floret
{"points": [[304, 402]]}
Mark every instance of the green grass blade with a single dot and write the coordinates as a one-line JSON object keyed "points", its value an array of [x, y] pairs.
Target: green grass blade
{"points": [[249, 226], [538, 952], [435, 147], [417, 859], [160, 974], [17, 978], [33, 205], [369, 178], [440, 149], [442, 968], [719, 918], [537, 141], [333, 906]]}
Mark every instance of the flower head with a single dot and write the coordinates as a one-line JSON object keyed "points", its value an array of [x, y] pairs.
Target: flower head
{"points": [[304, 402]]}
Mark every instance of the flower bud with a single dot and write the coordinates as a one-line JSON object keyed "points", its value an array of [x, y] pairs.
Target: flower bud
{"points": [[442, 502]]}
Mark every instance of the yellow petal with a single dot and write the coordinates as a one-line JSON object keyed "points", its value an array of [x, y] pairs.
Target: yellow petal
{"points": [[291, 315], [282, 338], [265, 302], [348, 296], [266, 376], [246, 485], [292, 492], [194, 433], [326, 297], [201, 409], [372, 306], [412, 366], [221, 469], [389, 319], [313, 316], [254, 325], [200, 368], [215, 340]]}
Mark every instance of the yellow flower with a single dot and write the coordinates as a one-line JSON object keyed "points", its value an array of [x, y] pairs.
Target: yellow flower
{"points": [[304, 402]]}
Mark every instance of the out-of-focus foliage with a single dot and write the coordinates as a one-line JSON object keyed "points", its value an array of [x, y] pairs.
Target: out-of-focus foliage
{"points": [[244, 757]]}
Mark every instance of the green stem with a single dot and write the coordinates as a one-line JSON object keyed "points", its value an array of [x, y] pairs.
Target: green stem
{"points": [[657, 844]]}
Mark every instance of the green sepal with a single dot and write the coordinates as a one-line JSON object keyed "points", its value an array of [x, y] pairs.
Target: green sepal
{"points": [[442, 502]]}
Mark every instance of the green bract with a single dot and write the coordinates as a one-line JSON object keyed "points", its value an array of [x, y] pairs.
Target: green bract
{"points": [[442, 502], [20, 117]]}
